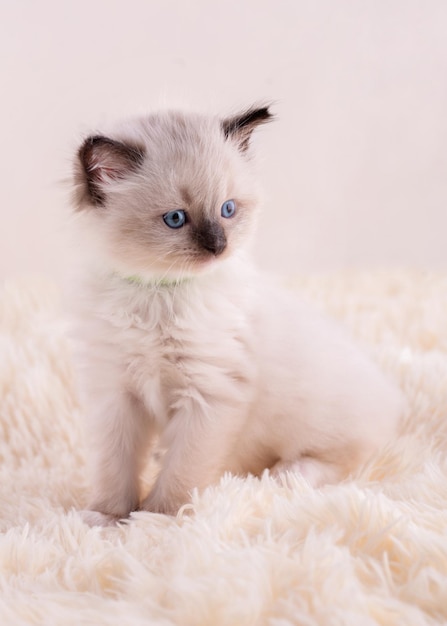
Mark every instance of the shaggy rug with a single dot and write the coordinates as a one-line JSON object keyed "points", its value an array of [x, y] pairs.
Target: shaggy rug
{"points": [[372, 550]]}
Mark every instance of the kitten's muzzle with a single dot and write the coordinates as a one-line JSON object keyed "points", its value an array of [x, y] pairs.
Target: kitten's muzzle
{"points": [[210, 236]]}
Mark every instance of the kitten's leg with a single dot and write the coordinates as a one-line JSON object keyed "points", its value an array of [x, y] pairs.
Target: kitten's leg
{"points": [[119, 430], [199, 444]]}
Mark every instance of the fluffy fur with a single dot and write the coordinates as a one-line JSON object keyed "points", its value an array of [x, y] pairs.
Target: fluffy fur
{"points": [[182, 339], [369, 550]]}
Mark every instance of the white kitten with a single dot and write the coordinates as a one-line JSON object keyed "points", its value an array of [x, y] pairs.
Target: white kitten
{"points": [[180, 336]]}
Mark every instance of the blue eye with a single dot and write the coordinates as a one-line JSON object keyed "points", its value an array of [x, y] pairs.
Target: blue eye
{"points": [[175, 219], [228, 208]]}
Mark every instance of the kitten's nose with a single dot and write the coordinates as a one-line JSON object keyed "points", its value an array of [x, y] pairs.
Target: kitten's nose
{"points": [[211, 236]]}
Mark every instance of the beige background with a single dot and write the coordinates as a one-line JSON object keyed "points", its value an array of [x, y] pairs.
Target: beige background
{"points": [[355, 169]]}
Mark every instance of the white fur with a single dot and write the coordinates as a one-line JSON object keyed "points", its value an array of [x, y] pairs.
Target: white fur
{"points": [[233, 373]]}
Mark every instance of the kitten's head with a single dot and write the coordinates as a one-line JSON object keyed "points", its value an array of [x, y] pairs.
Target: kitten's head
{"points": [[172, 194]]}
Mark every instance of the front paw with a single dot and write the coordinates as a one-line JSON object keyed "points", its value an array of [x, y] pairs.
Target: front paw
{"points": [[95, 518], [164, 505]]}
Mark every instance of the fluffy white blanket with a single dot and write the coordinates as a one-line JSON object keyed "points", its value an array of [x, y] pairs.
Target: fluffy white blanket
{"points": [[372, 550]]}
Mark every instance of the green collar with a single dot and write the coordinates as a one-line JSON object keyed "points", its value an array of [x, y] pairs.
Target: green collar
{"points": [[134, 279]]}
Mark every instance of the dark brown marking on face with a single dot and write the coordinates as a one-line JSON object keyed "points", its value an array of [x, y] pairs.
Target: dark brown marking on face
{"points": [[210, 236], [186, 196], [102, 158]]}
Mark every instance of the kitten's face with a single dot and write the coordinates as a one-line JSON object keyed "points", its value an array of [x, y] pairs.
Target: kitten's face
{"points": [[170, 195]]}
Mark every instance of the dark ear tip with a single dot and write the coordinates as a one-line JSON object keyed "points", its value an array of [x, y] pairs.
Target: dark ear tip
{"points": [[240, 127], [131, 155], [265, 113], [99, 140], [92, 142], [84, 152]]}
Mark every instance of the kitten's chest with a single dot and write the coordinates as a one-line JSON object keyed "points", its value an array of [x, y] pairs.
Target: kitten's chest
{"points": [[153, 366], [168, 348]]}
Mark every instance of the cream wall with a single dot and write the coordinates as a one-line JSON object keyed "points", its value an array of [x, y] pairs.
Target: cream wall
{"points": [[355, 169]]}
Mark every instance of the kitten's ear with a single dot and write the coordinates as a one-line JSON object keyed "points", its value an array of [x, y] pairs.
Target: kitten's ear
{"points": [[103, 160], [240, 127]]}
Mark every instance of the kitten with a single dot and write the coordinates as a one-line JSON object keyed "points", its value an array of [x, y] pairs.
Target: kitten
{"points": [[181, 338]]}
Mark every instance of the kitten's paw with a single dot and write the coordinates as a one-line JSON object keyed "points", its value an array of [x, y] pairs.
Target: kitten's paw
{"points": [[156, 505], [316, 473], [95, 518]]}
